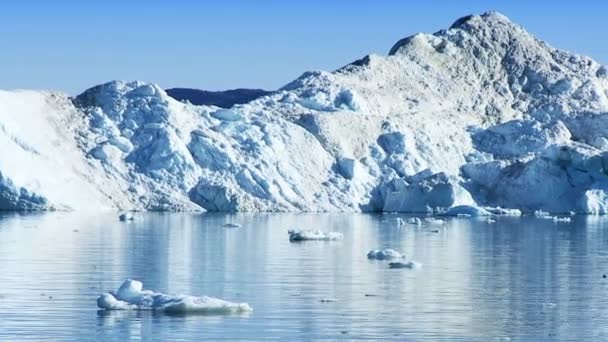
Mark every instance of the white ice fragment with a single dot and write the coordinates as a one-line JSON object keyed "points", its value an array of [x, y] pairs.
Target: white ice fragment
{"points": [[542, 214], [384, 254], [562, 219], [490, 220], [467, 211], [130, 296], [408, 264], [503, 211], [129, 290], [306, 235]]}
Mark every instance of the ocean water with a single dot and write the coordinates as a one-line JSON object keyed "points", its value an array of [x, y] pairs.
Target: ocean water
{"points": [[517, 279]]}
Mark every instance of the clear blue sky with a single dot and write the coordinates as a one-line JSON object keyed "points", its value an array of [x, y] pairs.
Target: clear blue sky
{"points": [[73, 45]]}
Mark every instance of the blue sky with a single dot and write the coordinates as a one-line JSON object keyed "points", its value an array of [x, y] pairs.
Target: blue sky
{"points": [[73, 45]]}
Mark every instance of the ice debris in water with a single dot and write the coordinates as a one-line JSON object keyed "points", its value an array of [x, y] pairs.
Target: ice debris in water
{"points": [[126, 217], [562, 219], [131, 296], [415, 221], [541, 214], [384, 254], [467, 211], [407, 264], [305, 235], [498, 211], [232, 225], [400, 222]]}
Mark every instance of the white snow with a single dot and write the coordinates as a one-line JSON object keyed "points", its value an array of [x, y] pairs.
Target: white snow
{"points": [[306, 235], [131, 296], [384, 254], [482, 116]]}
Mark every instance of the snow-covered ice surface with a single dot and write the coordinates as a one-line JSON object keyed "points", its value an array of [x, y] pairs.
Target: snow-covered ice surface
{"points": [[131, 296], [482, 114], [384, 254], [311, 235]]}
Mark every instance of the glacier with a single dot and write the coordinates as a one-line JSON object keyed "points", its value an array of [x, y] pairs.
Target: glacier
{"points": [[482, 116]]}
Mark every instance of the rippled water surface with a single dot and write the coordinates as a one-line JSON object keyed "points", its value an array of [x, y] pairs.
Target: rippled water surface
{"points": [[518, 278]]}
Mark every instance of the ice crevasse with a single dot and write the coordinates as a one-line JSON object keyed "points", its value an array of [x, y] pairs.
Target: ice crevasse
{"points": [[477, 117]]}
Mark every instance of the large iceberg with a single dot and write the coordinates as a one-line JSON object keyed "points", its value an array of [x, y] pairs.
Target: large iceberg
{"points": [[131, 296], [480, 115]]}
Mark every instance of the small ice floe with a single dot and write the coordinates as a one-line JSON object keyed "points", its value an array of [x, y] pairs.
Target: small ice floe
{"points": [[400, 222], [503, 211], [130, 296], [126, 217], [309, 235], [434, 221], [467, 211], [562, 219], [490, 220], [408, 264], [572, 213], [542, 214], [384, 254], [415, 221], [232, 225]]}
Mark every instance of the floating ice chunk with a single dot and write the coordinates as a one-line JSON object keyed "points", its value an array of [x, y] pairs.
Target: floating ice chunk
{"points": [[541, 214], [232, 225], [562, 219], [304, 235], [468, 210], [384, 254], [130, 296], [409, 264], [129, 290], [415, 221], [400, 222], [503, 211], [434, 221], [126, 217], [490, 220]]}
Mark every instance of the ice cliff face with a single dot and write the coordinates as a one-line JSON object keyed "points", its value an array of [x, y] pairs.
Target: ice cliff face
{"points": [[481, 114]]}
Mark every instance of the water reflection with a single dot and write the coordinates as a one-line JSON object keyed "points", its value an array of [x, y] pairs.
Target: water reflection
{"points": [[522, 278]]}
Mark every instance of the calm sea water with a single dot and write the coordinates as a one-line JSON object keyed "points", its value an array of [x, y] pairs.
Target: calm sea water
{"points": [[519, 278]]}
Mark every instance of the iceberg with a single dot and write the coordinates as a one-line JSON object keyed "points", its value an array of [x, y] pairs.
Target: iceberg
{"points": [[471, 119], [131, 296], [297, 235]]}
